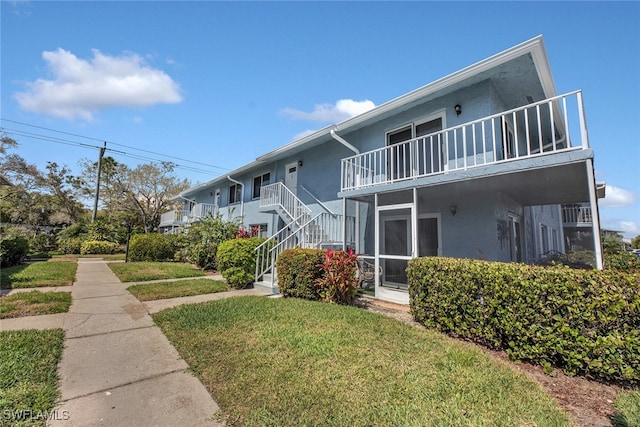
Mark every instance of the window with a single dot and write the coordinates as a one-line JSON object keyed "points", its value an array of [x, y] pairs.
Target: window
{"points": [[554, 239], [259, 230], [424, 157], [235, 193], [258, 182]]}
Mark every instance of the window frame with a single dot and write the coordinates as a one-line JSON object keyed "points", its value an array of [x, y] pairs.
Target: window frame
{"points": [[235, 194], [261, 183]]}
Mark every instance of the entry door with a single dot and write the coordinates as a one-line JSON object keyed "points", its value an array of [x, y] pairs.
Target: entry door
{"points": [[291, 177], [395, 245]]}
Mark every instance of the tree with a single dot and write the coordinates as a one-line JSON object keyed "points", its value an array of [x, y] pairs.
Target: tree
{"points": [[635, 243], [148, 190], [36, 197]]}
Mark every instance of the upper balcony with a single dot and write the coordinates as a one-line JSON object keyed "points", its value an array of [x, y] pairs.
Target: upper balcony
{"points": [[577, 215], [543, 128], [177, 218]]}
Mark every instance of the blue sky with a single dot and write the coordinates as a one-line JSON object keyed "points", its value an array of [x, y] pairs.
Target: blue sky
{"points": [[215, 84]]}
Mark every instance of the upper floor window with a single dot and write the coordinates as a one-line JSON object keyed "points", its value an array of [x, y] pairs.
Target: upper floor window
{"points": [[425, 157], [235, 193], [258, 182]]}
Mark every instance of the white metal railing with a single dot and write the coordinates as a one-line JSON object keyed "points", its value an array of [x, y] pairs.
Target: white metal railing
{"points": [[174, 217], [202, 210], [573, 214], [323, 229], [536, 129], [279, 195]]}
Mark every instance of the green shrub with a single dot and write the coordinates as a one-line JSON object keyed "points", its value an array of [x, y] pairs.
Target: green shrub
{"points": [[103, 231], [237, 260], [93, 247], [338, 283], [623, 261], [13, 250], [70, 246], [203, 237], [583, 321], [154, 247], [299, 271]]}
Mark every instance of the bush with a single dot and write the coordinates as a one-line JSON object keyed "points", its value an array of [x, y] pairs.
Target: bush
{"points": [[102, 230], [96, 247], [237, 260], [623, 261], [299, 271], [583, 321], [155, 247], [338, 282], [13, 250], [202, 240], [70, 246]]}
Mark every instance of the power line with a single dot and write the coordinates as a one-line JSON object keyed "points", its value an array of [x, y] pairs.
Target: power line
{"points": [[114, 143], [121, 153]]}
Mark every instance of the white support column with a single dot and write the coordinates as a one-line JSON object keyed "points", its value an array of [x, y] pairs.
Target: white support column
{"points": [[376, 250], [414, 225], [595, 221], [358, 247], [344, 223]]}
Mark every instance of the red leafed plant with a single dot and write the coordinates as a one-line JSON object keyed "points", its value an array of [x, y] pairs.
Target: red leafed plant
{"points": [[339, 282], [245, 233]]}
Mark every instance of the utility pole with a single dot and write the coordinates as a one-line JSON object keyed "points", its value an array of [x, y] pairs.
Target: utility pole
{"points": [[95, 202]]}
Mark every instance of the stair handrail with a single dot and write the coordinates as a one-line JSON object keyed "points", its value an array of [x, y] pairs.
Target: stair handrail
{"points": [[286, 199], [325, 207]]}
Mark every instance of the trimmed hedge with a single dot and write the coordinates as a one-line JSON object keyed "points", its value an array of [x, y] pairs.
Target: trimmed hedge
{"points": [[94, 247], [298, 272], [622, 261], [585, 322], [154, 247], [237, 260]]}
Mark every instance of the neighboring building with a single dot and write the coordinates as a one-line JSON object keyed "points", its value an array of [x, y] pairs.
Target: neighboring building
{"points": [[474, 165]]}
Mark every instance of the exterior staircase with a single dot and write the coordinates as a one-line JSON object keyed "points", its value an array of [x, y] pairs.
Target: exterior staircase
{"points": [[302, 229]]}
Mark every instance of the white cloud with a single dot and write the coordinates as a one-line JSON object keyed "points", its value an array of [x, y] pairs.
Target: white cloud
{"points": [[332, 113], [629, 228], [81, 88], [616, 197]]}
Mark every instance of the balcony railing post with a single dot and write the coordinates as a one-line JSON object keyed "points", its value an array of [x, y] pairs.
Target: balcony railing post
{"points": [[583, 123]]}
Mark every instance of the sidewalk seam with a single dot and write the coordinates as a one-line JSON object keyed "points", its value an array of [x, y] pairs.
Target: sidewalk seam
{"points": [[111, 332], [151, 377]]}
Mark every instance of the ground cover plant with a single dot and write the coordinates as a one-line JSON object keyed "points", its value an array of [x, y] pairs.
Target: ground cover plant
{"points": [[289, 361], [146, 270], [34, 303], [178, 288], [50, 273], [28, 378]]}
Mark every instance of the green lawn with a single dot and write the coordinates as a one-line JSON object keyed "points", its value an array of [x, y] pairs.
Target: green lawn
{"points": [[181, 288], [34, 303], [28, 378], [627, 406], [143, 271], [36, 274], [276, 362]]}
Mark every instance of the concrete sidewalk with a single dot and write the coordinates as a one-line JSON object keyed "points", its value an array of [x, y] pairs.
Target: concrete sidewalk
{"points": [[117, 367]]}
